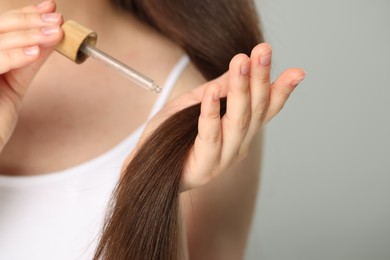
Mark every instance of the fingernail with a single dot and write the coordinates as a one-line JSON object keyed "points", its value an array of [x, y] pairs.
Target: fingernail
{"points": [[31, 51], [245, 68], [265, 59], [43, 4], [50, 30], [295, 83], [51, 18], [217, 94]]}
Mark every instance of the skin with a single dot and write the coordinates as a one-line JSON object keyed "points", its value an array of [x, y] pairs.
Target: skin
{"points": [[222, 173]]}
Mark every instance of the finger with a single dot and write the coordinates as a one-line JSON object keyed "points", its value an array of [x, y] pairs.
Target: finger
{"points": [[18, 58], [10, 22], [238, 112], [46, 36], [207, 146], [43, 7], [259, 88], [223, 81], [281, 89]]}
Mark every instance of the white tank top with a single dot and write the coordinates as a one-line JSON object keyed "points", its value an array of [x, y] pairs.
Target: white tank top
{"points": [[59, 215]]}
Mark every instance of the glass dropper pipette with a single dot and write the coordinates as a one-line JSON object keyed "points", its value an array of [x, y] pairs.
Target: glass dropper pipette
{"points": [[79, 43], [122, 68]]}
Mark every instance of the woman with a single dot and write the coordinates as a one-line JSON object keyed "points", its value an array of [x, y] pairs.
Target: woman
{"points": [[62, 160]]}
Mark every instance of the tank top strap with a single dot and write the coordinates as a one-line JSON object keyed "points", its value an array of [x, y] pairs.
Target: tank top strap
{"points": [[170, 82]]}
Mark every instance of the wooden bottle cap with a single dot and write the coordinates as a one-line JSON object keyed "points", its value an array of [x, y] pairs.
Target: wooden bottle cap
{"points": [[75, 35]]}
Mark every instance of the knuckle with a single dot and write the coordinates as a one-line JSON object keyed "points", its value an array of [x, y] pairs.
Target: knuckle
{"points": [[213, 115], [286, 96], [260, 109], [265, 77], [243, 88], [262, 76], [25, 18], [244, 121], [213, 139]]}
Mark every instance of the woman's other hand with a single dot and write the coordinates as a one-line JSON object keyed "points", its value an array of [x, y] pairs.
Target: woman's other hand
{"points": [[252, 101], [27, 37]]}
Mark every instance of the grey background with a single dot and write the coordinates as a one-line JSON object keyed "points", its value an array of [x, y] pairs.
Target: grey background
{"points": [[326, 174]]}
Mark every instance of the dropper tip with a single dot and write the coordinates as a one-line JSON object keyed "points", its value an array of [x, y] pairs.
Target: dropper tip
{"points": [[156, 88]]}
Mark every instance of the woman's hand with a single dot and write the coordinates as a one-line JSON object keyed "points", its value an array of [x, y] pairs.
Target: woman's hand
{"points": [[252, 101], [27, 37]]}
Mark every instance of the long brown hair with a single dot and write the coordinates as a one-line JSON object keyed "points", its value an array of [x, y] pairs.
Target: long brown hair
{"points": [[143, 219]]}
